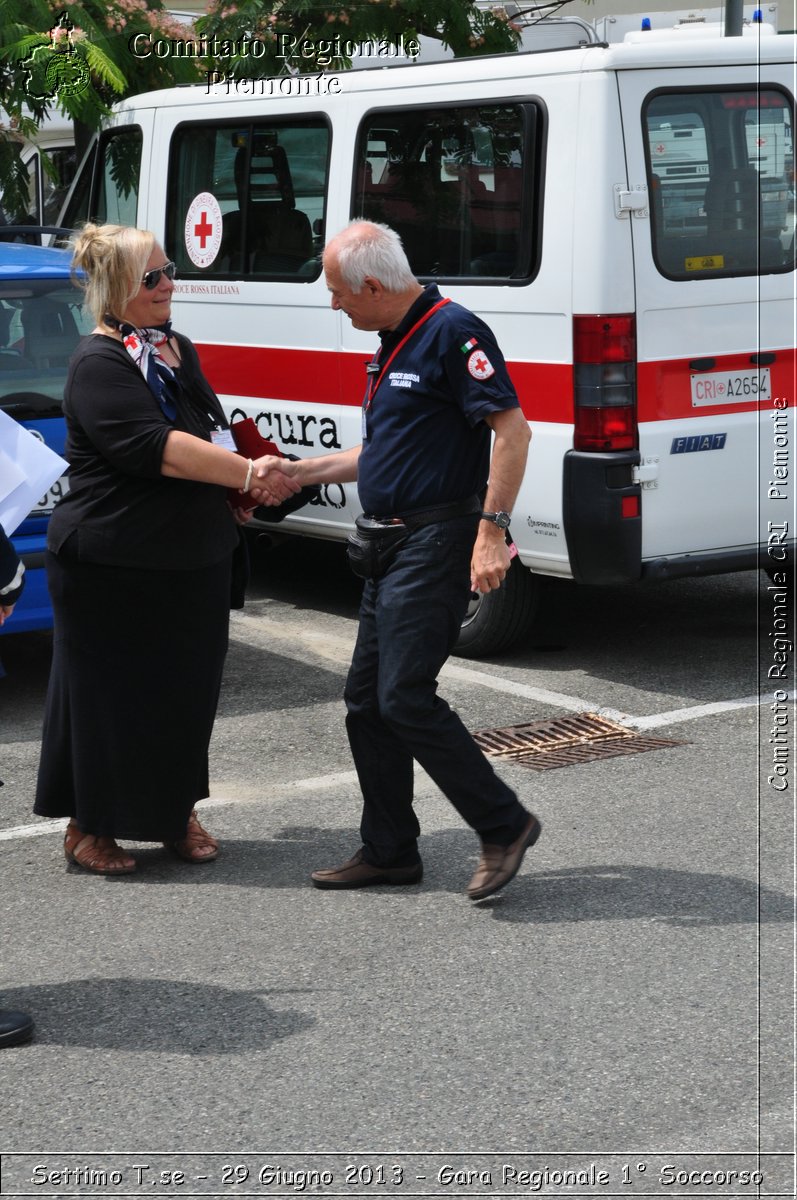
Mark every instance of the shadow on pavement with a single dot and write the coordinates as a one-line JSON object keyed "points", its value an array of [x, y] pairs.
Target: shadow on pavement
{"points": [[160, 1015], [606, 892], [626, 892]]}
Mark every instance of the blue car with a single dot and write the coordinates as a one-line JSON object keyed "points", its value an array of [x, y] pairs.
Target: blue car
{"points": [[41, 322]]}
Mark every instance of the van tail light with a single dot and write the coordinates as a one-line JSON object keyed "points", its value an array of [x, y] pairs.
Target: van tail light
{"points": [[604, 382]]}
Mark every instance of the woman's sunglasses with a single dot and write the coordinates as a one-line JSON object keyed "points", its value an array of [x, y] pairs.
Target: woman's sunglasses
{"points": [[153, 278]]}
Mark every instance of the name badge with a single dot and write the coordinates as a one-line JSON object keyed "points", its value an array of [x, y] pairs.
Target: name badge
{"points": [[223, 437]]}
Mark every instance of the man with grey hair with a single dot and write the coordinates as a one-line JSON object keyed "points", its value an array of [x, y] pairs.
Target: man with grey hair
{"points": [[436, 389]]}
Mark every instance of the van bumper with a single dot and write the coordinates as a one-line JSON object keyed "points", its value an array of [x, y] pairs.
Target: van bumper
{"points": [[604, 546]]}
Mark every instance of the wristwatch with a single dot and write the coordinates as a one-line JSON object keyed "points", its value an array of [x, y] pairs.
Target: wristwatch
{"points": [[501, 519]]}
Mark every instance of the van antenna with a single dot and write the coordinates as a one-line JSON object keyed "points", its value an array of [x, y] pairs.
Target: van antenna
{"points": [[286, 66], [538, 11]]}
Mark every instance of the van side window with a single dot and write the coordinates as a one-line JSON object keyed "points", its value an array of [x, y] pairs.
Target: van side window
{"points": [[269, 181], [107, 188], [460, 186], [50, 173], [56, 177], [29, 214], [720, 180]]}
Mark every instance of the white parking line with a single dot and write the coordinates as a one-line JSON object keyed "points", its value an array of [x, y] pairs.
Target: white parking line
{"points": [[676, 715], [542, 695], [260, 630], [575, 704], [29, 831], [265, 631], [313, 783]]}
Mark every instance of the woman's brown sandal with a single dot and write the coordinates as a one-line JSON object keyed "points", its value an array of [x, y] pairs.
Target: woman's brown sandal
{"points": [[190, 848], [98, 855]]}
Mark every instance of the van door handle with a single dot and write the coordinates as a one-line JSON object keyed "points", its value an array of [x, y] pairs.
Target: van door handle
{"points": [[763, 360], [702, 364]]}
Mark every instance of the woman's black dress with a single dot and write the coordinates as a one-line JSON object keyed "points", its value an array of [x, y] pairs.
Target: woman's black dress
{"points": [[139, 570]]}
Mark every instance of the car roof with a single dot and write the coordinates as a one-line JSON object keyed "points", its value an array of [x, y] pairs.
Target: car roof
{"points": [[19, 261]]}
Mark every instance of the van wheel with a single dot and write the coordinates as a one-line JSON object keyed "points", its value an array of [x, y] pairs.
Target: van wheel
{"points": [[494, 621]]}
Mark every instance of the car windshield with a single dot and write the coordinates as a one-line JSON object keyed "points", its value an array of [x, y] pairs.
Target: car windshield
{"points": [[41, 322]]}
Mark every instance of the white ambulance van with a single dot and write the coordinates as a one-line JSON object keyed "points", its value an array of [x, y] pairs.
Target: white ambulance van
{"points": [[647, 315], [51, 161]]}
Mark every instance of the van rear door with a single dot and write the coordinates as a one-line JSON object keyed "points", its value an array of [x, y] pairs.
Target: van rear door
{"points": [[714, 286]]}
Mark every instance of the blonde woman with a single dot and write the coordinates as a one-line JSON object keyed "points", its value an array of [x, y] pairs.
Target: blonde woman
{"points": [[139, 568]]}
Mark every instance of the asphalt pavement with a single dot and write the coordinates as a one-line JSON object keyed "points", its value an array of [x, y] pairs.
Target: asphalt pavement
{"points": [[618, 1021]]}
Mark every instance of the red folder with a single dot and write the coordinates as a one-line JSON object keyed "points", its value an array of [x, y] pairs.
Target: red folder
{"points": [[249, 444]]}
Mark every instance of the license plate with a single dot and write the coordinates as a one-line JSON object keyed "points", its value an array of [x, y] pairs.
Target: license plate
{"points": [[730, 387], [48, 501]]}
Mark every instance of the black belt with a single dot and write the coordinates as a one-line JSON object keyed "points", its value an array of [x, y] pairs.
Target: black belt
{"points": [[428, 516]]}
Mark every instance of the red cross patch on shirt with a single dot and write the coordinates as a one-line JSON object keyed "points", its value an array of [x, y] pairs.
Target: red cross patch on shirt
{"points": [[480, 366]]}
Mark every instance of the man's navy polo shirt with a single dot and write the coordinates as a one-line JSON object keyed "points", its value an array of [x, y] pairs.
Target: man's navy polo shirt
{"points": [[425, 440]]}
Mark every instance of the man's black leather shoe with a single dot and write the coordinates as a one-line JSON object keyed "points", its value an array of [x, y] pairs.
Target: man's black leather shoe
{"points": [[15, 1028], [356, 874], [499, 864]]}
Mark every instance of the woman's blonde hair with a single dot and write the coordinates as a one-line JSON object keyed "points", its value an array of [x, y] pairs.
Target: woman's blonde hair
{"points": [[113, 259]]}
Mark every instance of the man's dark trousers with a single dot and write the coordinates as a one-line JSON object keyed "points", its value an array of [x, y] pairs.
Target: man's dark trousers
{"points": [[409, 623]]}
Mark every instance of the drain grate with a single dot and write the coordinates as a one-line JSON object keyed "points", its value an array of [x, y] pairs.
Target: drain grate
{"points": [[565, 741]]}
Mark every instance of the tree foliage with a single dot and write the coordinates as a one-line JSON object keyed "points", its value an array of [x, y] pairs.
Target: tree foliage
{"points": [[76, 62], [79, 60], [312, 35]]}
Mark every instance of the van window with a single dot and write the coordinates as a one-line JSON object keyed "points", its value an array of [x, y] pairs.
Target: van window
{"points": [[57, 175], [269, 181], [50, 171], [720, 165], [107, 188], [460, 186], [27, 213]]}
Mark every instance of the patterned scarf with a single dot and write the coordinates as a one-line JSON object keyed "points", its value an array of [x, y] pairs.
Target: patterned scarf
{"points": [[142, 346]]}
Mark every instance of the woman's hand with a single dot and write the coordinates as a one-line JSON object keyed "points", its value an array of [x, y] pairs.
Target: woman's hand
{"points": [[5, 612], [276, 480]]}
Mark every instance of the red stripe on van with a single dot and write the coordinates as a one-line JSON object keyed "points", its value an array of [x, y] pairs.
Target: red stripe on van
{"points": [[545, 390], [664, 391], [266, 372]]}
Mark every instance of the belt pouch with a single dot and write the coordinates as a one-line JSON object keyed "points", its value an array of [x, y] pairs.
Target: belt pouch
{"points": [[373, 545]]}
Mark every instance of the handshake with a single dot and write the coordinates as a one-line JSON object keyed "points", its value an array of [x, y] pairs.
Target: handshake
{"points": [[274, 480]]}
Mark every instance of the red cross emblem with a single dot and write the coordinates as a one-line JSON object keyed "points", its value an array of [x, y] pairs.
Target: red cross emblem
{"points": [[480, 366], [203, 230]]}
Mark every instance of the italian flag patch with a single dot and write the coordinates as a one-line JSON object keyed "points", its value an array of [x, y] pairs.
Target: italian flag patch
{"points": [[469, 345]]}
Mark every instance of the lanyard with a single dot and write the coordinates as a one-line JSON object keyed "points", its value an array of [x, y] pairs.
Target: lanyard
{"points": [[372, 386]]}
